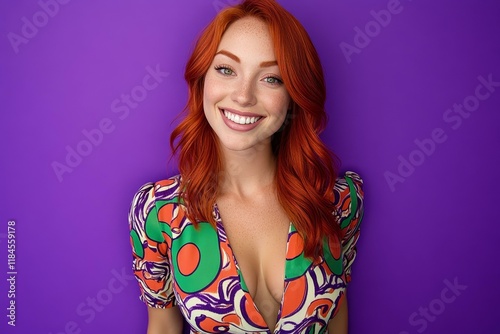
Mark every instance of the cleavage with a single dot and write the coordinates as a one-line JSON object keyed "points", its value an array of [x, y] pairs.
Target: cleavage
{"points": [[258, 237]]}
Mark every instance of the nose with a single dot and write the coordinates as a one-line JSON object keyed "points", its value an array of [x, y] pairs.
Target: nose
{"points": [[244, 93]]}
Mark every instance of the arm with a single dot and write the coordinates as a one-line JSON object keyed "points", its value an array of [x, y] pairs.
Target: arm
{"points": [[151, 265], [338, 325], [164, 321]]}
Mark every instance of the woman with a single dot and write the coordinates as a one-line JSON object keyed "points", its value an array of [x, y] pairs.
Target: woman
{"points": [[257, 233]]}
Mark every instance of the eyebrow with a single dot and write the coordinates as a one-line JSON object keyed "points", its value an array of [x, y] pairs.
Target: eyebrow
{"points": [[236, 59]]}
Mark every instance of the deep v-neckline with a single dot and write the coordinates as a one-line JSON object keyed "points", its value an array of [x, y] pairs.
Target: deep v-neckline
{"points": [[240, 273]]}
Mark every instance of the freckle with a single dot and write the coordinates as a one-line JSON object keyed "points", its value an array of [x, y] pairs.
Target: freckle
{"points": [[253, 26]]}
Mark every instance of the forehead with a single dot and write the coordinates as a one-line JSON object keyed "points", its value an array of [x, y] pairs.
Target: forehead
{"points": [[247, 34]]}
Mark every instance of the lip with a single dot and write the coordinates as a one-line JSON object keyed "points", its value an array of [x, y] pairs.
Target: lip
{"points": [[239, 127]]}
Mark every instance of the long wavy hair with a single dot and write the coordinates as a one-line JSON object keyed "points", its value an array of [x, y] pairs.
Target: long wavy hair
{"points": [[305, 169]]}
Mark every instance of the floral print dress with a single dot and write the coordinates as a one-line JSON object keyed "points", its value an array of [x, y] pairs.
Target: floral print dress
{"points": [[196, 270]]}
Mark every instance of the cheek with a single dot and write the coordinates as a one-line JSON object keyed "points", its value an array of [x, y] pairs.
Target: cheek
{"points": [[280, 103], [212, 91], [207, 92]]}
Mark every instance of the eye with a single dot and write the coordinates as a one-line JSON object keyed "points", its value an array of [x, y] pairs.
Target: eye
{"points": [[273, 80], [224, 70]]}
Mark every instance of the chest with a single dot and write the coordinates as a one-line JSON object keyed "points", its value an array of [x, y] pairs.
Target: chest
{"points": [[257, 231], [211, 286]]}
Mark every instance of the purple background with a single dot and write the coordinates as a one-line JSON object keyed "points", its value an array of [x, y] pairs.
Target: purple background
{"points": [[437, 226]]}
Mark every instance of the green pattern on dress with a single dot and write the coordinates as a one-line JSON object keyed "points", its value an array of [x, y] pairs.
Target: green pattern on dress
{"points": [[136, 242], [205, 238], [296, 267]]}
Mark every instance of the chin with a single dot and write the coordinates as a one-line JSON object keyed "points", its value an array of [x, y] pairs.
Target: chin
{"points": [[235, 146]]}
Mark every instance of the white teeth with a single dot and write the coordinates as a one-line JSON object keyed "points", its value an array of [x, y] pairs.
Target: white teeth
{"points": [[240, 119]]}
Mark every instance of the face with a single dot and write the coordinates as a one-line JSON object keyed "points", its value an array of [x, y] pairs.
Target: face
{"points": [[244, 98]]}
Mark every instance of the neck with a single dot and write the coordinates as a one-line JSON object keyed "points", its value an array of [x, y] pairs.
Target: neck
{"points": [[247, 172]]}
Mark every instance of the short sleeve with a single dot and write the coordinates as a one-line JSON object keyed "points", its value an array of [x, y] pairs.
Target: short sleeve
{"points": [[149, 250], [349, 198]]}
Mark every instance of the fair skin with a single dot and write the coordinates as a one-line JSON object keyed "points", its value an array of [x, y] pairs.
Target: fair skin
{"points": [[244, 81], [164, 321]]}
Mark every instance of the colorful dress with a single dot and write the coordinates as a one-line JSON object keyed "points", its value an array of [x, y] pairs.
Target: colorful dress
{"points": [[196, 270]]}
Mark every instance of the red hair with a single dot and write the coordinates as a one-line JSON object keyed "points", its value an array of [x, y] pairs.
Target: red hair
{"points": [[306, 170]]}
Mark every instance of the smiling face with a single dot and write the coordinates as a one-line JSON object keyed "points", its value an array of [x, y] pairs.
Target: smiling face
{"points": [[244, 98]]}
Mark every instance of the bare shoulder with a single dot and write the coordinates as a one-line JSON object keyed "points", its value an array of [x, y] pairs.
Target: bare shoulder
{"points": [[338, 324], [164, 320]]}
